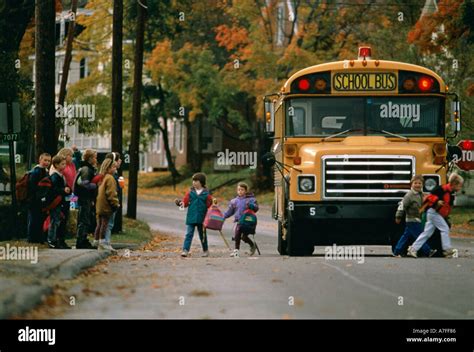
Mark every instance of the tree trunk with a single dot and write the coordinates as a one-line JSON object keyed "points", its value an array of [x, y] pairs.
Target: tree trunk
{"points": [[136, 111], [117, 79], [67, 63], [15, 18], [169, 158], [45, 78]]}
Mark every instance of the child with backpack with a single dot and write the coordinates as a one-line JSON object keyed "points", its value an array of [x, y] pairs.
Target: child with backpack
{"points": [[243, 207], [411, 205], [107, 202], [197, 200], [439, 204], [59, 190], [85, 190], [35, 216]]}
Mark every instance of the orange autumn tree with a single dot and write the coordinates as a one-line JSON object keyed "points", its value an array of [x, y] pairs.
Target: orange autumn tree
{"points": [[444, 38]]}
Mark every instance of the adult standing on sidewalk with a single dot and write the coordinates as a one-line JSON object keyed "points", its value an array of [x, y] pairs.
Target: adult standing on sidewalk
{"points": [[85, 190]]}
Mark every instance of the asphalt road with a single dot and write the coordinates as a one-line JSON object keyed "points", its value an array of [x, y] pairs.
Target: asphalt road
{"points": [[157, 283]]}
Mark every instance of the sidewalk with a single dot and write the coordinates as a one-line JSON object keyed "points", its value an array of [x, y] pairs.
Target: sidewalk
{"points": [[25, 283]]}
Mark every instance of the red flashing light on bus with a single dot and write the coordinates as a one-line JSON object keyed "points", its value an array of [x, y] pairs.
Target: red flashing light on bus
{"points": [[365, 52], [425, 83], [303, 84]]}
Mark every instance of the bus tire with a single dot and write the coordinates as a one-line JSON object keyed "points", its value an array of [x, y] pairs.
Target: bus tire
{"points": [[282, 244], [297, 244]]}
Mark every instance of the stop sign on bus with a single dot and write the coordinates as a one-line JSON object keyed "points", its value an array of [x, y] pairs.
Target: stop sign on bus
{"points": [[466, 162]]}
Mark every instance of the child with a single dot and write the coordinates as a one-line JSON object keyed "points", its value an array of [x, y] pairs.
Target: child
{"points": [[69, 173], [411, 207], [86, 192], [35, 216], [59, 188], [198, 199], [107, 202], [440, 202], [237, 206]]}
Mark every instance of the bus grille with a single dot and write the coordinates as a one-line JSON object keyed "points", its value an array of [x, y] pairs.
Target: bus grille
{"points": [[363, 177]]}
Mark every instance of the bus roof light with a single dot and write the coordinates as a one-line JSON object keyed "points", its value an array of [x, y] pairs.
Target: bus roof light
{"points": [[303, 84], [425, 83], [365, 52]]}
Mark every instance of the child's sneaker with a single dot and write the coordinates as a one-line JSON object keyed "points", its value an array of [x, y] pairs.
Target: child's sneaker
{"points": [[205, 254], [184, 253], [396, 255], [450, 253], [411, 252], [432, 252], [235, 254]]}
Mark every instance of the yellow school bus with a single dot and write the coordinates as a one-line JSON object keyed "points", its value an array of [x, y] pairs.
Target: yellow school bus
{"points": [[347, 138]]}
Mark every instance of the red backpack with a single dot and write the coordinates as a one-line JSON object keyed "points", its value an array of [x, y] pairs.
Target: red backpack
{"points": [[21, 189], [45, 195], [214, 219]]}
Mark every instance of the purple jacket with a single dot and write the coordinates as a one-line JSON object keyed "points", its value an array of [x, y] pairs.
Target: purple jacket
{"points": [[239, 204]]}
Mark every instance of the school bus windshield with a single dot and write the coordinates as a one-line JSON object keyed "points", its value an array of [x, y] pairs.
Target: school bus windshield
{"points": [[324, 116]]}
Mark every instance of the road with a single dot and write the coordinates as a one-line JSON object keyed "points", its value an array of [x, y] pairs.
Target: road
{"points": [[157, 283]]}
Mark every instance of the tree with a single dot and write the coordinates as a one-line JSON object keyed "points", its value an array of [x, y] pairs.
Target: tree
{"points": [[117, 86], [445, 40], [45, 114], [136, 111], [67, 59]]}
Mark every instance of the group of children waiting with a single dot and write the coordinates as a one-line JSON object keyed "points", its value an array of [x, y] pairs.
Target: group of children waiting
{"points": [[50, 185], [434, 209], [198, 200]]}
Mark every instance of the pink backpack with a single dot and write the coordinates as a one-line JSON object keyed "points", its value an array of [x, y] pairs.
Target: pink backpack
{"points": [[214, 219]]}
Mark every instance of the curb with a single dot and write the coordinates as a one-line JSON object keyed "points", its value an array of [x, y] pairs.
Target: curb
{"points": [[25, 297], [73, 266]]}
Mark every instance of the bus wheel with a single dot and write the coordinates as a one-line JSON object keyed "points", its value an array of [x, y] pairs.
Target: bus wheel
{"points": [[297, 244], [282, 244]]}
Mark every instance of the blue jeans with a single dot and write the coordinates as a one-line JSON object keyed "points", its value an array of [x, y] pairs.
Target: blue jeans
{"points": [[54, 223], [190, 234], [412, 231], [108, 231]]}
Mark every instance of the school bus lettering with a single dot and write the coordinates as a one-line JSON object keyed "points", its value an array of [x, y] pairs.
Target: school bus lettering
{"points": [[367, 81]]}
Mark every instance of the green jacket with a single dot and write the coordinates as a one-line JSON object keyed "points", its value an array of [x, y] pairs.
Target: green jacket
{"points": [[197, 205]]}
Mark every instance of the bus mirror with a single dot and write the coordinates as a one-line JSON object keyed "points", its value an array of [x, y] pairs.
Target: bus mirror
{"points": [[456, 116], [268, 160], [269, 117]]}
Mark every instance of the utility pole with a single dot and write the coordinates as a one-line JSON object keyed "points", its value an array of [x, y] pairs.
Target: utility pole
{"points": [[67, 60], [45, 112], [136, 111], [117, 83]]}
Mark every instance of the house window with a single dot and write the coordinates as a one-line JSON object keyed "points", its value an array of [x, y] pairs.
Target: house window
{"points": [[156, 146]]}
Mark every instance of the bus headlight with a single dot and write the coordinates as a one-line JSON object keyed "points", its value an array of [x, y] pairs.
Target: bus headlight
{"points": [[306, 184], [431, 182]]}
